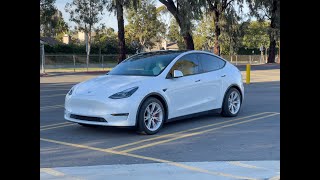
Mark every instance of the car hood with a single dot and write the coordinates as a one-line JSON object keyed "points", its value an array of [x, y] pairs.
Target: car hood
{"points": [[108, 84]]}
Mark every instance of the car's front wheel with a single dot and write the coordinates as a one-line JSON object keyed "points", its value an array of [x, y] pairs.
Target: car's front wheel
{"points": [[231, 103], [151, 116]]}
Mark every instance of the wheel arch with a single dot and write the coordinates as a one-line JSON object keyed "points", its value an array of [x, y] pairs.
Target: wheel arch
{"points": [[232, 86], [160, 98]]}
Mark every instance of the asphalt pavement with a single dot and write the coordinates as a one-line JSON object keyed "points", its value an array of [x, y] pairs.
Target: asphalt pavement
{"points": [[205, 147]]}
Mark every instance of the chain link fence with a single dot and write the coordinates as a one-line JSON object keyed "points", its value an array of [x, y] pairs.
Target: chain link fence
{"points": [[105, 62]]}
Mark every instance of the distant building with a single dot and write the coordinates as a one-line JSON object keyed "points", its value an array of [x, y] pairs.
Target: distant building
{"points": [[164, 45], [82, 37], [66, 39]]}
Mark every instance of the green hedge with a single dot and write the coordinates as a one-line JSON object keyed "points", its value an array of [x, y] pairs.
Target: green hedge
{"points": [[248, 51], [81, 49]]}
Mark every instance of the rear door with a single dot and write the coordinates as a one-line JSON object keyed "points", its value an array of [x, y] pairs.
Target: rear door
{"points": [[210, 81]]}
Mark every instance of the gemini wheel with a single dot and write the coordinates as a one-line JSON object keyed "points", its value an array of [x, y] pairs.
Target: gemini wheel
{"points": [[231, 103], [151, 116]]}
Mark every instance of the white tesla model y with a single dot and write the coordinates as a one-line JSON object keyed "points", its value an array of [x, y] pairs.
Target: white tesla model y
{"points": [[149, 89]]}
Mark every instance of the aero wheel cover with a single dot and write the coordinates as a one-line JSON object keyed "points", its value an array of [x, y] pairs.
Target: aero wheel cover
{"points": [[153, 116], [234, 102]]}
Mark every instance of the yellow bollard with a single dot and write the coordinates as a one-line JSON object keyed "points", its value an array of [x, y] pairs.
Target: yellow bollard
{"points": [[248, 74]]}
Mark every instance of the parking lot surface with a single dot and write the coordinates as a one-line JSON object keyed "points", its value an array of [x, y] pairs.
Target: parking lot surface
{"points": [[205, 147]]}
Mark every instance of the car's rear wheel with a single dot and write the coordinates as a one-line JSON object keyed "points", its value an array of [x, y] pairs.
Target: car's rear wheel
{"points": [[151, 116], [88, 125], [231, 103]]}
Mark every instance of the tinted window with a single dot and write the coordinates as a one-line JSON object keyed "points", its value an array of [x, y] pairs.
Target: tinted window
{"points": [[144, 64], [210, 63], [187, 64]]}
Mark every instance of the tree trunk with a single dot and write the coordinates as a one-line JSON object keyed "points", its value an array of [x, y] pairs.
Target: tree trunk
{"points": [[217, 31], [188, 41], [272, 46], [121, 39], [88, 50], [184, 30]]}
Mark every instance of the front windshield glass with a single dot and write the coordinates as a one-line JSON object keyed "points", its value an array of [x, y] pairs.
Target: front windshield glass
{"points": [[145, 64]]}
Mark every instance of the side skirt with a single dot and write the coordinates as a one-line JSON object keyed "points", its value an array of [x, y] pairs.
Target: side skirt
{"points": [[209, 112]]}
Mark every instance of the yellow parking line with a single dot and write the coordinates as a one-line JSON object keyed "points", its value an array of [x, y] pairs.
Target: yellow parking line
{"points": [[55, 124], [57, 173], [54, 95], [43, 129], [240, 164], [180, 132], [51, 172], [51, 107], [191, 168], [196, 133]]}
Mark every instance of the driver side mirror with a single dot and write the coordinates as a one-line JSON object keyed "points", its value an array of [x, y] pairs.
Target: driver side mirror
{"points": [[177, 74]]}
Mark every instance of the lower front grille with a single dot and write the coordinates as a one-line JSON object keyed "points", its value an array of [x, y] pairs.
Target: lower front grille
{"points": [[87, 118]]}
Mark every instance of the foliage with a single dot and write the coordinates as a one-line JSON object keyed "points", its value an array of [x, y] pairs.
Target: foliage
{"points": [[47, 10], [108, 48], [174, 34], [52, 23], [143, 24], [85, 13], [204, 34], [268, 10], [184, 12], [256, 35]]}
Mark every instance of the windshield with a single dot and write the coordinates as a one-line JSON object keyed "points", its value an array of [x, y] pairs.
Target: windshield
{"points": [[145, 64]]}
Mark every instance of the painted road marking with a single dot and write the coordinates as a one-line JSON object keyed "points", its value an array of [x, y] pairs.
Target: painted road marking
{"points": [[180, 132], [196, 133], [51, 172], [54, 124], [54, 127], [191, 168], [54, 95], [57, 173], [240, 164], [51, 107]]}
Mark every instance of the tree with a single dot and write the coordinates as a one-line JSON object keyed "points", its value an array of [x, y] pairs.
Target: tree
{"points": [[217, 8], [232, 32], [204, 34], [270, 10], [47, 10], [117, 7], [85, 13], [256, 35], [143, 24], [184, 12], [174, 34]]}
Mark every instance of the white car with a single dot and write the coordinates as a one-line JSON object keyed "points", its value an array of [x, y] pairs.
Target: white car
{"points": [[148, 89]]}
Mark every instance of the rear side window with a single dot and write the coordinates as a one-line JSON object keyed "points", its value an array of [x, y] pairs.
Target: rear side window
{"points": [[188, 65], [210, 63]]}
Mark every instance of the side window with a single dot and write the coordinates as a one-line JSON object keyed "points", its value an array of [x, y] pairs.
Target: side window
{"points": [[187, 64], [210, 63]]}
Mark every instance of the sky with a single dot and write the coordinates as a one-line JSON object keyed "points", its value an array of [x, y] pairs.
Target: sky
{"points": [[109, 19]]}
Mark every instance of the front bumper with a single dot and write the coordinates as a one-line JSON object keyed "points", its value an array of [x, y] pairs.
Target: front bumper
{"points": [[115, 112]]}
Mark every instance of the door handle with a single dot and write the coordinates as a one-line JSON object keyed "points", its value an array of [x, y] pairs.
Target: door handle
{"points": [[223, 75], [198, 80]]}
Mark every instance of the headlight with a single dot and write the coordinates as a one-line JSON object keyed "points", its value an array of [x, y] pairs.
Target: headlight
{"points": [[124, 94]]}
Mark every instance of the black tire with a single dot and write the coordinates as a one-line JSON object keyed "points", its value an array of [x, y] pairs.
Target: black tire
{"points": [[225, 106], [141, 126], [88, 125]]}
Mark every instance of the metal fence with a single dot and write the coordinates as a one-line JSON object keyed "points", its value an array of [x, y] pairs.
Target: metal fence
{"points": [[105, 62]]}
